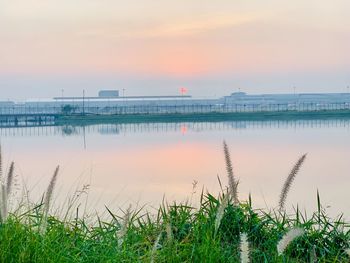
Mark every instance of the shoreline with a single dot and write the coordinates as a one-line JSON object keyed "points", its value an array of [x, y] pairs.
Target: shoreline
{"points": [[23, 121], [204, 117]]}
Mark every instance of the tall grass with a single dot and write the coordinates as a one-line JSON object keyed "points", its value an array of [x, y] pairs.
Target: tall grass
{"points": [[193, 238]]}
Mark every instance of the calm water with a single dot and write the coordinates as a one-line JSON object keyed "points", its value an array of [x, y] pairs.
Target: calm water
{"points": [[142, 163]]}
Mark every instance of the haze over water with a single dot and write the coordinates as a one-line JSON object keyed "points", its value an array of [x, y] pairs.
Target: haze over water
{"points": [[142, 163]]}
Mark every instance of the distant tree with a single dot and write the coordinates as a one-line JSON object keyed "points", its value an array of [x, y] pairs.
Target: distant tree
{"points": [[68, 109], [69, 130]]}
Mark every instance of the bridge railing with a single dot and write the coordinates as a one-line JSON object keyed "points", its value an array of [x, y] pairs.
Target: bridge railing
{"points": [[168, 109]]}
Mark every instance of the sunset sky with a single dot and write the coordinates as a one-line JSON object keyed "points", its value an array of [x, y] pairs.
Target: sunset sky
{"points": [[156, 46]]}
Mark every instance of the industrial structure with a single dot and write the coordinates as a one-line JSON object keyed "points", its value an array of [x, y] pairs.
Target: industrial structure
{"points": [[108, 102]]}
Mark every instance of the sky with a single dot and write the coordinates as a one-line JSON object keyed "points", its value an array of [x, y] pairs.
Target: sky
{"points": [[147, 47]]}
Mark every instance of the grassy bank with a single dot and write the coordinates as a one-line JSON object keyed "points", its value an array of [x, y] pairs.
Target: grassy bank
{"points": [[176, 233], [221, 228], [204, 117]]}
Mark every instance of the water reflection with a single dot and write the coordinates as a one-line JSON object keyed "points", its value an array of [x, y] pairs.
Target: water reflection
{"points": [[140, 163], [181, 127]]}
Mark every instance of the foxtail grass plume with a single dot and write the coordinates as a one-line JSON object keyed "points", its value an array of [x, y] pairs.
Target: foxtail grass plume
{"points": [[3, 208], [313, 255], [233, 183], [124, 227], [347, 251], [0, 163], [10, 178], [220, 212], [155, 247], [47, 200], [5, 189], [289, 181], [244, 247], [3, 200], [288, 238], [169, 233]]}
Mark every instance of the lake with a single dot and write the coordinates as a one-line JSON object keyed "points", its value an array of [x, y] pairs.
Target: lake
{"points": [[140, 164]]}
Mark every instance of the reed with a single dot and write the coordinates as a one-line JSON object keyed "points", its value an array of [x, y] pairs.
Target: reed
{"points": [[233, 183], [289, 180], [47, 200]]}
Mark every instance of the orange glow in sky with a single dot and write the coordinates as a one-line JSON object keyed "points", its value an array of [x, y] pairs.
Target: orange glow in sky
{"points": [[174, 38], [147, 46]]}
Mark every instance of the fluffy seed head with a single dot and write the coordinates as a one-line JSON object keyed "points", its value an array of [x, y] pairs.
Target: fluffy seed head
{"points": [[156, 245], [169, 232], [0, 163], [220, 212], [244, 247], [287, 184], [124, 228], [48, 196], [3, 204], [233, 183], [288, 238], [10, 178]]}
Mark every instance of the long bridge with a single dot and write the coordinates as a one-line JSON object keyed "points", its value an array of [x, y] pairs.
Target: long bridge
{"points": [[22, 116]]}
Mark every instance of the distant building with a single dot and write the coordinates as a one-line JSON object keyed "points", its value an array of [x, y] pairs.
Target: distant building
{"points": [[108, 93], [237, 101]]}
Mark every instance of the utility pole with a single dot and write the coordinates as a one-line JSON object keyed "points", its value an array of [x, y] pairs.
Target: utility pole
{"points": [[83, 102], [124, 103], [295, 97], [62, 97]]}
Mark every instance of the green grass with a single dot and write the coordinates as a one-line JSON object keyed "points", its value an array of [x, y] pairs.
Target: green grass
{"points": [[192, 237]]}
